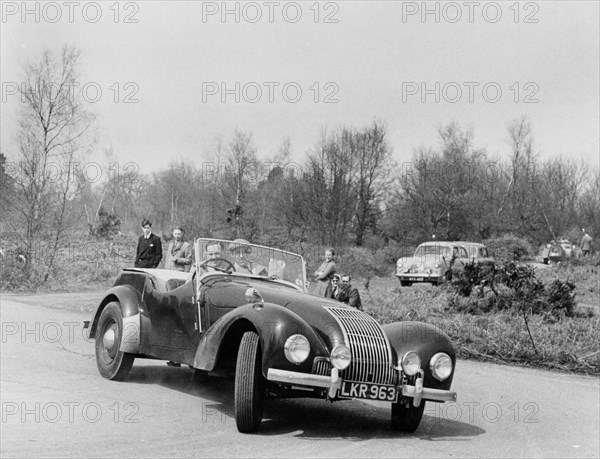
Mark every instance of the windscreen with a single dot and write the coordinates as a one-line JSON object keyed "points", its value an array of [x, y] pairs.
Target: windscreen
{"points": [[429, 250], [247, 258]]}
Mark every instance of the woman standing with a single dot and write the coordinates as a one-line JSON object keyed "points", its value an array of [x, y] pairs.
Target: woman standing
{"points": [[324, 274]]}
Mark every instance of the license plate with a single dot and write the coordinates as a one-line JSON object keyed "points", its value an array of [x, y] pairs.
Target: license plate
{"points": [[368, 390], [416, 279]]}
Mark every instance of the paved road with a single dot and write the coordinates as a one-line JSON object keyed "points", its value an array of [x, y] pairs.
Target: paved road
{"points": [[54, 403]]}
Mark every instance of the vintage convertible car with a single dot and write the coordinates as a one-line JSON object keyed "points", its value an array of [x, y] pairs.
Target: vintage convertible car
{"points": [[244, 312], [435, 262]]}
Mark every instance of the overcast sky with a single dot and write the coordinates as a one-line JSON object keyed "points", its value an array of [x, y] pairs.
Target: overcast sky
{"points": [[183, 64]]}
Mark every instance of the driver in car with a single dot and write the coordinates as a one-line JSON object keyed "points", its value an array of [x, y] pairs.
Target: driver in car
{"points": [[214, 260]]}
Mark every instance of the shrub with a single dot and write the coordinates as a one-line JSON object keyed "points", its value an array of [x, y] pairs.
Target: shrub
{"points": [[511, 286], [511, 247], [108, 225]]}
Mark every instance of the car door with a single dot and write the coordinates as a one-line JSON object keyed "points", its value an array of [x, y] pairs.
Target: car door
{"points": [[461, 258], [171, 321]]}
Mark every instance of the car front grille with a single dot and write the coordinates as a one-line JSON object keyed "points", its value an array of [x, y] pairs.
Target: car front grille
{"points": [[371, 352]]}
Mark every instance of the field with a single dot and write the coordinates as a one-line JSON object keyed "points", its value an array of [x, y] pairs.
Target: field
{"points": [[569, 344]]}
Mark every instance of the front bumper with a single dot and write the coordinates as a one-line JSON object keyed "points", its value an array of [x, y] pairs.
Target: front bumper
{"points": [[420, 277], [333, 383]]}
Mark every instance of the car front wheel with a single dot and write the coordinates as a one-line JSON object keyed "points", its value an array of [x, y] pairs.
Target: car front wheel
{"points": [[112, 363], [406, 418], [405, 283], [249, 384]]}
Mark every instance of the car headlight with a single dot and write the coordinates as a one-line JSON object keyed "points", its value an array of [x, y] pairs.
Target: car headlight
{"points": [[411, 363], [296, 349], [399, 264], [340, 357], [441, 366], [436, 266]]}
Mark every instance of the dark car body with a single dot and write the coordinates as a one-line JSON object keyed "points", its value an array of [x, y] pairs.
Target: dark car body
{"points": [[275, 338]]}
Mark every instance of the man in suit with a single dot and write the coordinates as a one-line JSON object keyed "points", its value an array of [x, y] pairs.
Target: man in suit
{"points": [[349, 294], [149, 248], [179, 253]]}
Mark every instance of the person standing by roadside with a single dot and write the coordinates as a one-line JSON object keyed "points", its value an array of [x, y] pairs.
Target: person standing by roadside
{"points": [[149, 248], [179, 252], [325, 273], [586, 244]]}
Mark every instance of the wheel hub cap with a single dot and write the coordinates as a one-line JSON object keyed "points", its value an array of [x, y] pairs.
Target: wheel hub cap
{"points": [[109, 338]]}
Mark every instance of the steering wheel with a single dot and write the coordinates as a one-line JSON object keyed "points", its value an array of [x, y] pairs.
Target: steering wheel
{"points": [[210, 262]]}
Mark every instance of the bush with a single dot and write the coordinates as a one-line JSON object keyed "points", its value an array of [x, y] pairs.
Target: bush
{"points": [[513, 287], [511, 247], [108, 225]]}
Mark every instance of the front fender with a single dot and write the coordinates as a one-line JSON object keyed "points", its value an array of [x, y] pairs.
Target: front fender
{"points": [[426, 340], [274, 324], [129, 300]]}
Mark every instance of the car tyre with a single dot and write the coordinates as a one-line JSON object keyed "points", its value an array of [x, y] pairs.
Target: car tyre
{"points": [[111, 361], [406, 418], [249, 384], [405, 283]]}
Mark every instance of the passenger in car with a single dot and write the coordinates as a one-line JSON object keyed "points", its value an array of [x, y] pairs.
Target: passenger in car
{"points": [[243, 253]]}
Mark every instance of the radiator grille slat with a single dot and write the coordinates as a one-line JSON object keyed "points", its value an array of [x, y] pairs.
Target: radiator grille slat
{"points": [[371, 354]]}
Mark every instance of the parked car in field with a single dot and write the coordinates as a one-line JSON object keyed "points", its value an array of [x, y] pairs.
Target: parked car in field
{"points": [[434, 262], [555, 252], [478, 253], [244, 312], [567, 247]]}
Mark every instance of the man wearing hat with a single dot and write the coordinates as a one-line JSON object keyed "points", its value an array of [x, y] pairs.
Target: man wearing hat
{"points": [[240, 248]]}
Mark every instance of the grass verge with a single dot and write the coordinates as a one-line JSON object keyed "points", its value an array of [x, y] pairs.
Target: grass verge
{"points": [[569, 344]]}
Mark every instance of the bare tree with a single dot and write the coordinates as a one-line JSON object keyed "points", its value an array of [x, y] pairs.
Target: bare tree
{"points": [[53, 124], [372, 155], [240, 170], [328, 187]]}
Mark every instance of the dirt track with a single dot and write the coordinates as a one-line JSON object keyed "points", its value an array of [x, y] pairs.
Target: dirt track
{"points": [[54, 403]]}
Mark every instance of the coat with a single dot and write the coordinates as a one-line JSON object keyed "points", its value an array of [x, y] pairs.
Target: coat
{"points": [[179, 256], [149, 252], [327, 269]]}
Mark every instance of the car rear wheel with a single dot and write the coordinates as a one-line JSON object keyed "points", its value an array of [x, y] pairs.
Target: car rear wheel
{"points": [[406, 418], [112, 363], [249, 384]]}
